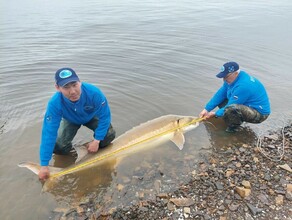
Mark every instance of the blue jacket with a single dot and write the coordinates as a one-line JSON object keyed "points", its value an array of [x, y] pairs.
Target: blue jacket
{"points": [[92, 103], [245, 90]]}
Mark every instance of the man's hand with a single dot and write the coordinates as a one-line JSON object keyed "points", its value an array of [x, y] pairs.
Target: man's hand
{"points": [[44, 173], [93, 146], [205, 114], [211, 115]]}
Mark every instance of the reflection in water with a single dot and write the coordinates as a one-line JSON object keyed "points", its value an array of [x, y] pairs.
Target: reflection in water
{"points": [[219, 138], [74, 188]]}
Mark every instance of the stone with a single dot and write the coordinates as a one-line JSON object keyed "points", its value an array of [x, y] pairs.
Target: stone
{"points": [[271, 146], [247, 166], [272, 192], [267, 177], [219, 186], [256, 160], [263, 198], [163, 196], [238, 165], [245, 146], [286, 167], [227, 201], [273, 137], [279, 200], [280, 192], [248, 217], [80, 209], [143, 209], [182, 201], [120, 187], [288, 196], [170, 206], [243, 192], [241, 149], [246, 184], [221, 208], [187, 210], [140, 195], [229, 172], [233, 207], [254, 210], [213, 160]]}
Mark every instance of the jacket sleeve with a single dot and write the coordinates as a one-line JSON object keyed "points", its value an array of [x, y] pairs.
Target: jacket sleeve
{"points": [[217, 99], [239, 95], [104, 118], [51, 125]]}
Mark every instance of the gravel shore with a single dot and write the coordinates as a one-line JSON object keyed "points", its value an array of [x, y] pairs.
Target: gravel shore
{"points": [[238, 182]]}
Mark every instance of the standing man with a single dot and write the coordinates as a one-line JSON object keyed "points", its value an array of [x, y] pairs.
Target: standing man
{"points": [[242, 98], [74, 104]]}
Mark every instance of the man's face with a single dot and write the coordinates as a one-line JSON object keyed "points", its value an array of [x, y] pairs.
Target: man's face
{"points": [[71, 91], [230, 77]]}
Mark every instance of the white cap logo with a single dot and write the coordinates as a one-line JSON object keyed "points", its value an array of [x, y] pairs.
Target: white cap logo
{"points": [[65, 74], [222, 68]]}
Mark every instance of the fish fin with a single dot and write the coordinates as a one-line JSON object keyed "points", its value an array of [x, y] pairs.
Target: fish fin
{"points": [[81, 152], [35, 168], [178, 139]]}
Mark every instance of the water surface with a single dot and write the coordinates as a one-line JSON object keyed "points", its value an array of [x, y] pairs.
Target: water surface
{"points": [[150, 58]]}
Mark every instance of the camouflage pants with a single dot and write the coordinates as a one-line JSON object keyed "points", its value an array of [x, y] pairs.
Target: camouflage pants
{"points": [[235, 115], [68, 130]]}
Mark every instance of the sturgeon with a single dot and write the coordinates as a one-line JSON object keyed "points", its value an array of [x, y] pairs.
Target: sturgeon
{"points": [[146, 135]]}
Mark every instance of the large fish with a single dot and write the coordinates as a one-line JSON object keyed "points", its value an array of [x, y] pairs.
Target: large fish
{"points": [[149, 134]]}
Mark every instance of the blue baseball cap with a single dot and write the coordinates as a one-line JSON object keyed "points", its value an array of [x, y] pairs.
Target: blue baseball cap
{"points": [[228, 68], [64, 76]]}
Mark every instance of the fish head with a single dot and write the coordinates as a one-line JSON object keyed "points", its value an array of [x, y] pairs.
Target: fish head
{"points": [[187, 123]]}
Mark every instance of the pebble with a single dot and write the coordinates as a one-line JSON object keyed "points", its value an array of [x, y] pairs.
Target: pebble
{"points": [[243, 192], [279, 200], [246, 184], [254, 210]]}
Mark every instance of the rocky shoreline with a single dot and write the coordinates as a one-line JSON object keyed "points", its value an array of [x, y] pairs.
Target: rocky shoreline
{"points": [[239, 182]]}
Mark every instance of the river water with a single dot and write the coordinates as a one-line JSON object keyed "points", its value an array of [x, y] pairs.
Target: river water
{"points": [[150, 58]]}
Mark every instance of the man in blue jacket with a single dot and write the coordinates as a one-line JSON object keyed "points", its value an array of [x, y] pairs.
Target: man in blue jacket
{"points": [[73, 105], [242, 98]]}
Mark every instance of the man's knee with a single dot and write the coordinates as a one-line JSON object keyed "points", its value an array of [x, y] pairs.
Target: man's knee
{"points": [[251, 115], [232, 115], [110, 136], [237, 114], [62, 149], [66, 134]]}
